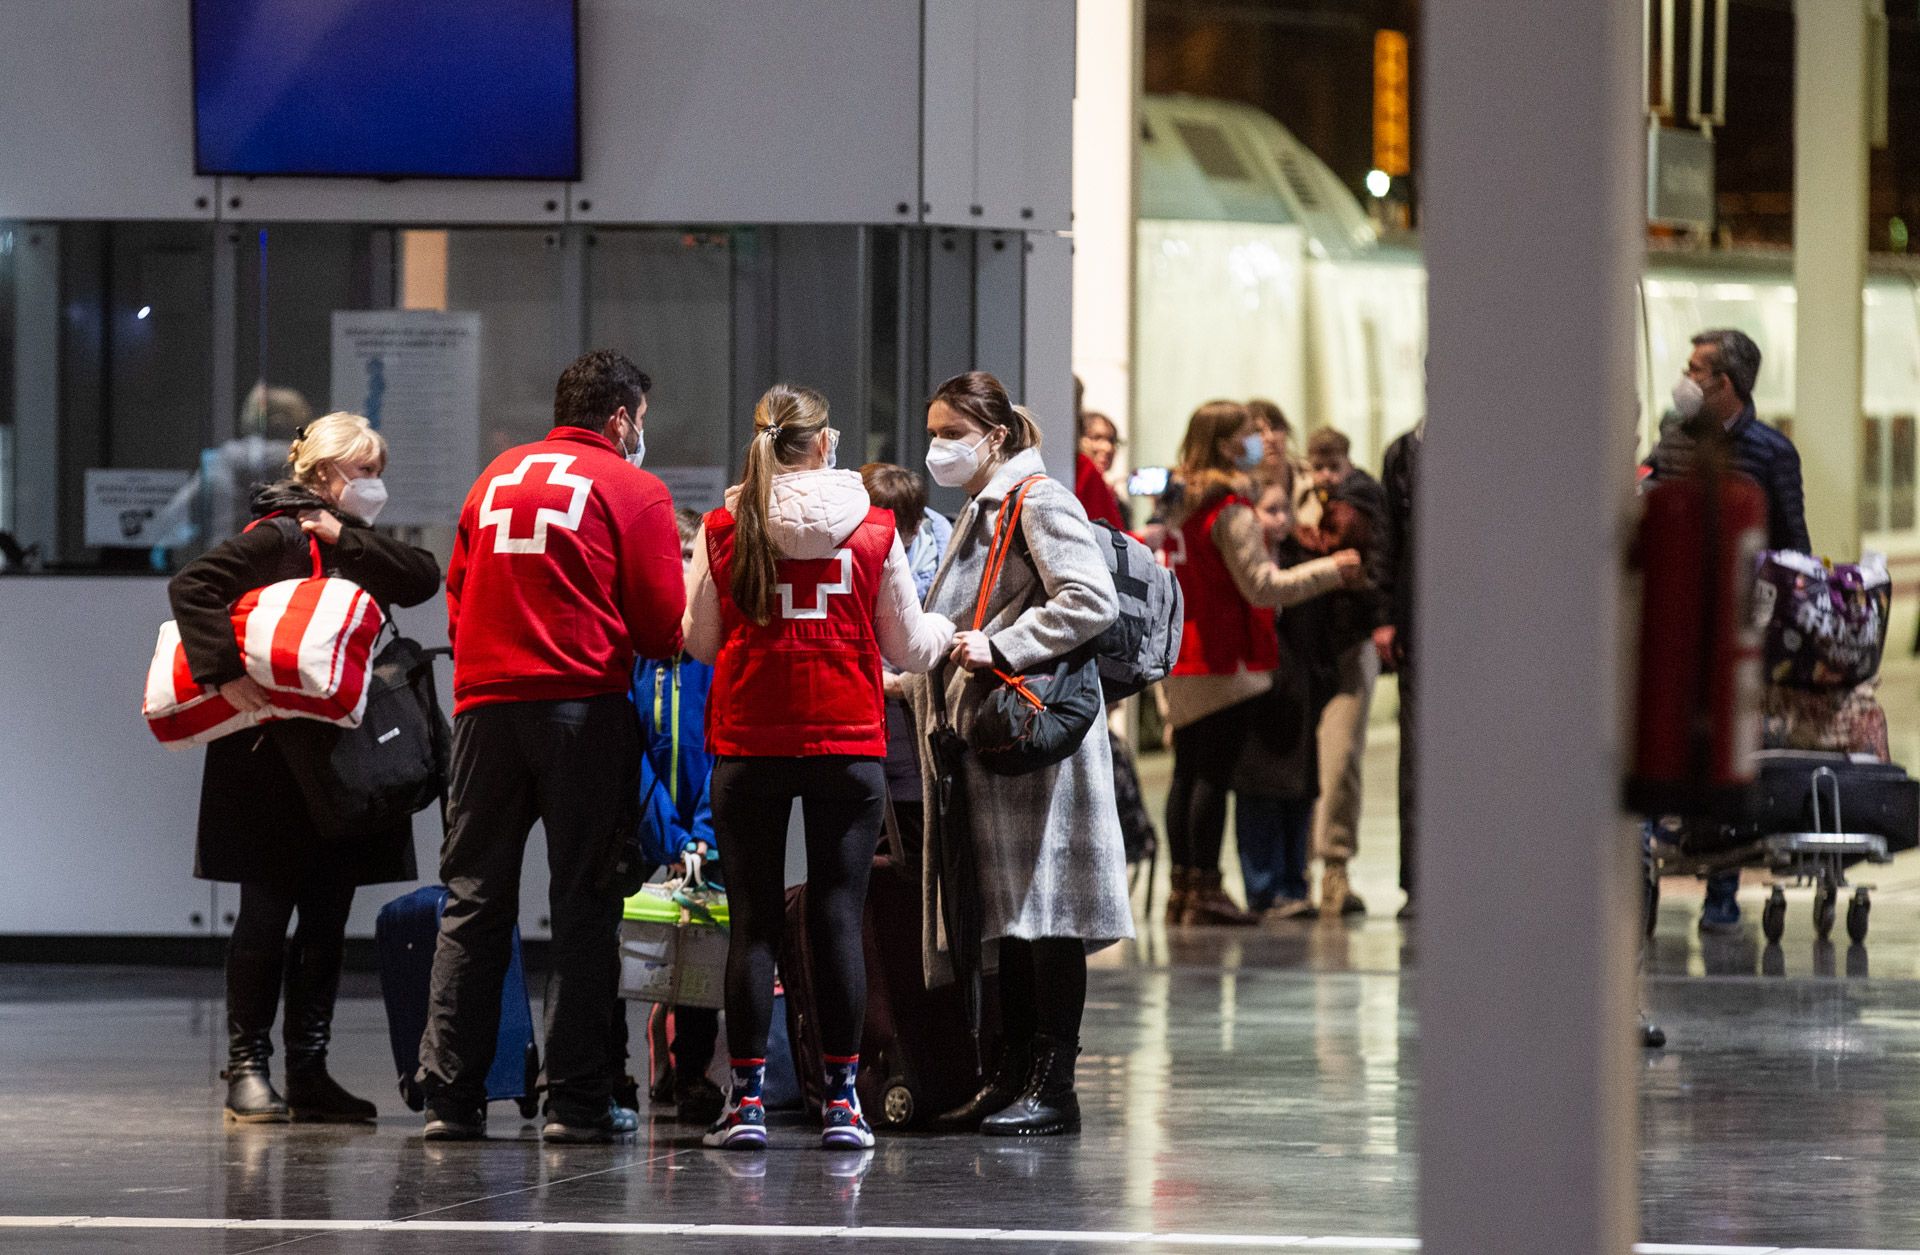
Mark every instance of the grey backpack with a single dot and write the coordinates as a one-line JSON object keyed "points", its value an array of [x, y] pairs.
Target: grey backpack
{"points": [[1140, 648]]}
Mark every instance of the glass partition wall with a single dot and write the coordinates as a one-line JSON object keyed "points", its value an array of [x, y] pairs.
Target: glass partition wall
{"points": [[151, 372]]}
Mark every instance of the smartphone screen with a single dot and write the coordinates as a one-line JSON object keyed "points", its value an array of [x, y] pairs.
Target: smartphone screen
{"points": [[1148, 481]]}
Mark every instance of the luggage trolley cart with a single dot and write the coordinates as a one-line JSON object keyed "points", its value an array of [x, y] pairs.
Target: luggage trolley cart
{"points": [[1794, 783], [1820, 858]]}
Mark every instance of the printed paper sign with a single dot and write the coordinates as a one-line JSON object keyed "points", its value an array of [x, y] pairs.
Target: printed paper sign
{"points": [[415, 374], [123, 504]]}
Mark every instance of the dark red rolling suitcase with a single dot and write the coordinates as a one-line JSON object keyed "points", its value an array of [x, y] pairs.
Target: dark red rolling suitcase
{"points": [[916, 1052]]}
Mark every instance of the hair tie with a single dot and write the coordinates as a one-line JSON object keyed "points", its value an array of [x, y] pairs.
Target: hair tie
{"points": [[771, 431]]}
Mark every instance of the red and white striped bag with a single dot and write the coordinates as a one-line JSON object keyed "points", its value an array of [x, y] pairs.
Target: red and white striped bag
{"points": [[307, 642]]}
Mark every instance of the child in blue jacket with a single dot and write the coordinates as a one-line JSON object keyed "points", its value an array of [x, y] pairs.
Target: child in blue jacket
{"points": [[676, 832]]}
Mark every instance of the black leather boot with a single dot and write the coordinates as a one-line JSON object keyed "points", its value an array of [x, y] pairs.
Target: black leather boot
{"points": [[313, 983], [1048, 1105], [1008, 1079], [253, 995]]}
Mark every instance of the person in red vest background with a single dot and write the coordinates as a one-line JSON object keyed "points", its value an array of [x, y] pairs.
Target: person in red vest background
{"points": [[1229, 645], [800, 590], [566, 563]]}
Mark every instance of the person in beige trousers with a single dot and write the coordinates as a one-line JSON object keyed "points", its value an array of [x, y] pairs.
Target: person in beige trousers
{"points": [[1353, 516]]}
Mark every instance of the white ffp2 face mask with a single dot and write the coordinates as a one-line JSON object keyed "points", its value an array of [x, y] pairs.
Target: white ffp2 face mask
{"points": [[1688, 398], [953, 462], [638, 454], [364, 498]]}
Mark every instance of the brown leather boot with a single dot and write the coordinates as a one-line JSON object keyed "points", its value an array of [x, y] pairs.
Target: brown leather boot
{"points": [[1337, 897], [1179, 897], [1211, 905]]}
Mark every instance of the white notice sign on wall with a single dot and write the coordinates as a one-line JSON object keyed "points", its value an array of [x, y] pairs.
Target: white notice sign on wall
{"points": [[415, 374], [122, 505], [699, 488]]}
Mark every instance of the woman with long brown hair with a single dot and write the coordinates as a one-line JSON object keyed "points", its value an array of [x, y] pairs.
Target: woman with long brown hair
{"points": [[1229, 647], [800, 590], [1049, 853]]}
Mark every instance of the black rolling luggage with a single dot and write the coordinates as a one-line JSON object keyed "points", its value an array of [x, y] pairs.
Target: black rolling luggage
{"points": [[405, 934], [916, 1050], [1876, 798]]}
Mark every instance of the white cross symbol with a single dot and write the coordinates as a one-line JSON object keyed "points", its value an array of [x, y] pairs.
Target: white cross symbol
{"points": [[822, 592], [544, 516]]}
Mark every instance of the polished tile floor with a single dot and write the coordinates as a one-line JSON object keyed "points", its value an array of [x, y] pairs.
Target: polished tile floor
{"points": [[1243, 1090]]}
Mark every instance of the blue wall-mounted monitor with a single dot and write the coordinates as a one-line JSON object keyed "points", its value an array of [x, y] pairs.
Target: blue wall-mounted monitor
{"points": [[457, 89]]}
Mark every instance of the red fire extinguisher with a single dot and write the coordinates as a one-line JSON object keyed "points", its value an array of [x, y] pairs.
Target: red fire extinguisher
{"points": [[1697, 717]]}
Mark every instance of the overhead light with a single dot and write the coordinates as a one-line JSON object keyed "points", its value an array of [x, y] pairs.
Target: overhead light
{"points": [[144, 311], [1379, 183]]}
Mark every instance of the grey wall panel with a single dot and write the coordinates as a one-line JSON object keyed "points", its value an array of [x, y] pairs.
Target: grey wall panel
{"points": [[434, 202], [951, 121], [999, 309], [1047, 350], [749, 111], [1024, 116], [96, 115], [96, 833]]}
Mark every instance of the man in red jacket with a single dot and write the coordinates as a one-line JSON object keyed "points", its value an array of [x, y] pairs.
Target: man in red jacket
{"points": [[566, 564]]}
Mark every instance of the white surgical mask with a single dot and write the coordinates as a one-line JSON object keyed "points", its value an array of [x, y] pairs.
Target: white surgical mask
{"points": [[638, 454], [953, 462], [1253, 450], [364, 498], [833, 448], [1687, 397]]}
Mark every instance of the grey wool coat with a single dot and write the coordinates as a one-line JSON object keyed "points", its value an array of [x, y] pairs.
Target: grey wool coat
{"points": [[1051, 858]]}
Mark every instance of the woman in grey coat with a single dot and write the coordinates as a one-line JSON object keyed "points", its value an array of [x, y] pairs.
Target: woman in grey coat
{"points": [[1052, 865]]}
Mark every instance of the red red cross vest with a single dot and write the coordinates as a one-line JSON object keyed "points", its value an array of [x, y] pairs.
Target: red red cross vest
{"points": [[808, 681], [1223, 633]]}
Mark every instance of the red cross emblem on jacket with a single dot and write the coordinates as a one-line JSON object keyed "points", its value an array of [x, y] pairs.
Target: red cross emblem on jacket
{"points": [[537, 495]]}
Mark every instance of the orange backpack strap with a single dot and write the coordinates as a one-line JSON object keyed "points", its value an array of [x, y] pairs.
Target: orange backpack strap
{"points": [[1005, 529]]}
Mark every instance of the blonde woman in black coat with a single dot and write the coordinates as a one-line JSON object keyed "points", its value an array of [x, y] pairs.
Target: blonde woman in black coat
{"points": [[254, 828]]}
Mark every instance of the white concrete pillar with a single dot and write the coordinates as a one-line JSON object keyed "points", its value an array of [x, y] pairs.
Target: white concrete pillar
{"points": [[1533, 222], [1106, 193], [1829, 263]]}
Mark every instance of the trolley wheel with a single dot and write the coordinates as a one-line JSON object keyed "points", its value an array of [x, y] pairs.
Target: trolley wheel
{"points": [[1857, 916], [1773, 917], [1825, 901], [896, 1105], [1652, 1036], [530, 1100]]}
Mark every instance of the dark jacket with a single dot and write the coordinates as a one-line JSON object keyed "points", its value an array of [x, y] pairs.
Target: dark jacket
{"points": [[1754, 449], [1354, 516], [1766, 454], [254, 826], [1399, 471], [1280, 757]]}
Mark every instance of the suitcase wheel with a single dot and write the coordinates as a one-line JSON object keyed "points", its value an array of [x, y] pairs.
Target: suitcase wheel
{"points": [[530, 1096], [896, 1106]]}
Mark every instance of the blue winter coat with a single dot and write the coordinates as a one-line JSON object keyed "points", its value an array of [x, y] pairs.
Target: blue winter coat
{"points": [[676, 771]]}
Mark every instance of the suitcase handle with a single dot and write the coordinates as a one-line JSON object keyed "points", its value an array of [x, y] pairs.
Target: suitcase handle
{"points": [[1833, 781]]}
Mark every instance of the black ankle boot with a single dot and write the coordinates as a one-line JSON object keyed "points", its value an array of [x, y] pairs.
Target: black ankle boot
{"points": [[253, 995], [1048, 1105], [313, 984], [1008, 1079]]}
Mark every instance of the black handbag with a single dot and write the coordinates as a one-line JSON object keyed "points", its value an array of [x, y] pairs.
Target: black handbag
{"points": [[1026, 723], [357, 781]]}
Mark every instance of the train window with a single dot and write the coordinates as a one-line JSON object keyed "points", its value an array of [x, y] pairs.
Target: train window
{"points": [[1872, 475], [1210, 147], [1299, 179], [1900, 501]]}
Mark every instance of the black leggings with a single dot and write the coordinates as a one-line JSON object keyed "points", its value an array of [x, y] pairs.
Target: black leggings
{"points": [[266, 910], [1043, 988], [842, 800], [1204, 754]]}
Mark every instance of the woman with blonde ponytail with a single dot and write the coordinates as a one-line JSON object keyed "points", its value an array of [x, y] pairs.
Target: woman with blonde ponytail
{"points": [[799, 591]]}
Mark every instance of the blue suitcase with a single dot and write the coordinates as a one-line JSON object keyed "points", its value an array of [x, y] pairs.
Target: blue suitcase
{"points": [[405, 935]]}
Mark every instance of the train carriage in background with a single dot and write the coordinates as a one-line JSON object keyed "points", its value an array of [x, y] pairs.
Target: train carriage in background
{"points": [[1259, 274]]}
